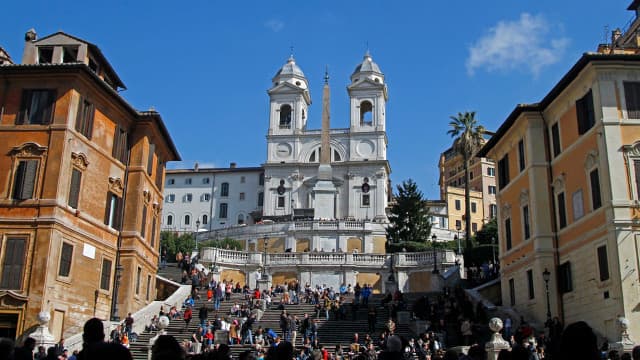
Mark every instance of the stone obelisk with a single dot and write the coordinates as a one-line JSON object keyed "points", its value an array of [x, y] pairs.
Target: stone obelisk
{"points": [[324, 190]]}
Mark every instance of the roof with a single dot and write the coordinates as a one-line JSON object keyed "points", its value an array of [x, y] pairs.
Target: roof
{"points": [[566, 80], [71, 67], [367, 65], [634, 5], [290, 69], [214, 170], [95, 50]]}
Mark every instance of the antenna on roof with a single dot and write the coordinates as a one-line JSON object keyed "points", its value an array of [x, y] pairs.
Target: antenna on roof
{"points": [[605, 36]]}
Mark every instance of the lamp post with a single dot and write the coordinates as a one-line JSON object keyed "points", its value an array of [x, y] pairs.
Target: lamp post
{"points": [[493, 250], [458, 237], [546, 275], [292, 202], [195, 235], [434, 237], [266, 242]]}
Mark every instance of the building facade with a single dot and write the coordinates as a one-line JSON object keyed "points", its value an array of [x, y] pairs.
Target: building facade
{"points": [[81, 181], [567, 170], [206, 199]]}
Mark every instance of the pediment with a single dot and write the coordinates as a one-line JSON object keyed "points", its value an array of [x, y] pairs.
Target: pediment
{"points": [[366, 83], [60, 38], [285, 88], [11, 299]]}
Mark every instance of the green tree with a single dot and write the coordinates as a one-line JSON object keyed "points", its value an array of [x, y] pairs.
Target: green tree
{"points": [[488, 234], [175, 242], [468, 138], [408, 218], [226, 243]]}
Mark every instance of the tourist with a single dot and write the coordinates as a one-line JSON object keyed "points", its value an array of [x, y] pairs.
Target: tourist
{"points": [[26, 350], [167, 347], [128, 324], [188, 314], [94, 347]]}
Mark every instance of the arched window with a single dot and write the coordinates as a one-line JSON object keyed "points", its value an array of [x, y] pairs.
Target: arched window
{"points": [[285, 117], [336, 156], [312, 157], [240, 219], [366, 113], [205, 219], [261, 179], [170, 220], [224, 189], [187, 220]]}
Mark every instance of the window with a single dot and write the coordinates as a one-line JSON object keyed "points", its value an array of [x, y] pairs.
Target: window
{"points": [[280, 201], [187, 181], [532, 295], [13, 264], [493, 210], [223, 210], [578, 205], [143, 225], [596, 199], [491, 171], [138, 276], [632, 97], [565, 281], [113, 211], [171, 181], [188, 197], [474, 207], [84, 118], [242, 179], [366, 113], [492, 189], [285, 116], [585, 113], [507, 232], [170, 220], [36, 107], [555, 139], [159, 172], [25, 179], [187, 220], [224, 189], [171, 198], [65, 259], [512, 292], [562, 212], [525, 222], [154, 221], [470, 175], [148, 286], [366, 200], [457, 202], [603, 263], [206, 197], [261, 179], [74, 188], [152, 150], [120, 145], [205, 219], [45, 55], [105, 275], [241, 196], [458, 224], [260, 199], [521, 158], [206, 180], [503, 171], [69, 54], [474, 227], [240, 219]]}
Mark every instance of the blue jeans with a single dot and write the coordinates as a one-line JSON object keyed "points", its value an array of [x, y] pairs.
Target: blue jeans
{"points": [[248, 336], [216, 303]]}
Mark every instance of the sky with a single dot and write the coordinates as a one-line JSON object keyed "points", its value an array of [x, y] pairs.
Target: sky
{"points": [[206, 65]]}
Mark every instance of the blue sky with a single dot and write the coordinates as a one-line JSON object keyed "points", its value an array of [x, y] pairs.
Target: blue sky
{"points": [[205, 65]]}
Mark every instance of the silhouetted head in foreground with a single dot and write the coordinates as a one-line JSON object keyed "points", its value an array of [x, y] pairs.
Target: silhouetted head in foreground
{"points": [[579, 342]]}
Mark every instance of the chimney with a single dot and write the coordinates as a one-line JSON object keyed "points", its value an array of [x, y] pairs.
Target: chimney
{"points": [[196, 166], [31, 35], [232, 165], [615, 36]]}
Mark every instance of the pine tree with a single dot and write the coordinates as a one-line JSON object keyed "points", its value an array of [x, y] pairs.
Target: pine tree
{"points": [[408, 218]]}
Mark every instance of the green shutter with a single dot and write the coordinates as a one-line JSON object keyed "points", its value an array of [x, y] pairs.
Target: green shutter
{"points": [[74, 188]]}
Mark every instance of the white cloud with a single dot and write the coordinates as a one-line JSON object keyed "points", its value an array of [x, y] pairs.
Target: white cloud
{"points": [[525, 44], [274, 25]]}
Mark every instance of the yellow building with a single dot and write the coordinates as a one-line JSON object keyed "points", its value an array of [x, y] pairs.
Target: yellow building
{"points": [[454, 197], [569, 193]]}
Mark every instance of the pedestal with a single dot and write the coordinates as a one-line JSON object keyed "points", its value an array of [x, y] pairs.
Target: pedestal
{"points": [[263, 283], [42, 335], [625, 345], [497, 343]]}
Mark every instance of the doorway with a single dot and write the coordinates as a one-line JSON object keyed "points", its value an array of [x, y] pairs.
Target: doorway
{"points": [[8, 325]]}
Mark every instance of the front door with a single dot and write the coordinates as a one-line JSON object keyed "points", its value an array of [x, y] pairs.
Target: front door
{"points": [[8, 325]]}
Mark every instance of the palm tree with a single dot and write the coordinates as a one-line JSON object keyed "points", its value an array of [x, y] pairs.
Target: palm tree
{"points": [[468, 137]]}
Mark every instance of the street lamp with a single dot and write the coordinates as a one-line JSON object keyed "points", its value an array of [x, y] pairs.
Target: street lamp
{"points": [[266, 242], [546, 275], [493, 250], [435, 257], [458, 237]]}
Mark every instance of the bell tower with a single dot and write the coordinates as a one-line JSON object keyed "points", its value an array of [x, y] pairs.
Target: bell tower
{"points": [[290, 99], [368, 97]]}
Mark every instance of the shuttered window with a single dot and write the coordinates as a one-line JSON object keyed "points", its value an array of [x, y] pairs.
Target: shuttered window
{"points": [[159, 172], [585, 113], [603, 263], [105, 275], [503, 172], [113, 210], [74, 188], [66, 256], [223, 210], [120, 145], [525, 221], [84, 118], [152, 150], [521, 154], [153, 231], [25, 179], [562, 211], [632, 97], [512, 292], [13, 265], [507, 232], [143, 229], [36, 107], [555, 139], [530, 284], [565, 278], [596, 198], [138, 278]]}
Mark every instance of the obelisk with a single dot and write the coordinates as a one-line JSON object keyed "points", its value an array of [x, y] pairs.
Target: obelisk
{"points": [[324, 190]]}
